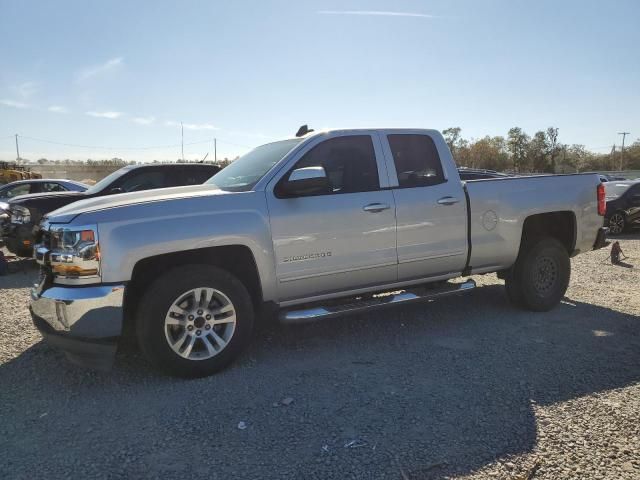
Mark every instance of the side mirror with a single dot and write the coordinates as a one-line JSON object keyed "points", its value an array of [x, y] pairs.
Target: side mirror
{"points": [[305, 181], [115, 190]]}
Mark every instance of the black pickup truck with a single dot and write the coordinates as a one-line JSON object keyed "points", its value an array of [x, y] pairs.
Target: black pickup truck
{"points": [[27, 210]]}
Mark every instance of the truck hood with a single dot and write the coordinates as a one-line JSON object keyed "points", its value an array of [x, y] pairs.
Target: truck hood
{"points": [[123, 200]]}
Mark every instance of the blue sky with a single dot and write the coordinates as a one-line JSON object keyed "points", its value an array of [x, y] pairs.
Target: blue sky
{"points": [[125, 74]]}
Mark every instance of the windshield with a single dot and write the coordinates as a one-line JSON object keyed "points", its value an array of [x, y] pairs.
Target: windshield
{"points": [[244, 173], [108, 180], [614, 190]]}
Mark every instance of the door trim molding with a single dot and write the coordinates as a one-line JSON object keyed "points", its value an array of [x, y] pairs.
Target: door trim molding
{"points": [[433, 257], [335, 272]]}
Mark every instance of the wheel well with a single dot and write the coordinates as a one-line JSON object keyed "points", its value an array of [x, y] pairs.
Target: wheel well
{"points": [[558, 225], [236, 259]]}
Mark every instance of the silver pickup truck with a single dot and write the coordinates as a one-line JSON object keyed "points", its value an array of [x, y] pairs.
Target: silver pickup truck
{"points": [[306, 228]]}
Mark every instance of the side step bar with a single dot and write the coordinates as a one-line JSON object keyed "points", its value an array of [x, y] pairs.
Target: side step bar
{"points": [[377, 301]]}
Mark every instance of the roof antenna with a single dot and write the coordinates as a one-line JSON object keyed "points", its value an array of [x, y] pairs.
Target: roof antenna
{"points": [[303, 130]]}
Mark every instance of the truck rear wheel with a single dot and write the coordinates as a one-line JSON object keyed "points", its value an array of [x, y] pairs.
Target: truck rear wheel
{"points": [[540, 277], [194, 320]]}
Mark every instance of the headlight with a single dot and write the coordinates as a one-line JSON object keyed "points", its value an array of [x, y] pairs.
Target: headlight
{"points": [[74, 254], [20, 214]]}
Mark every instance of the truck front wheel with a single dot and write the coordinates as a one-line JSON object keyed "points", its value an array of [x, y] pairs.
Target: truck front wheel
{"points": [[194, 320], [540, 277]]}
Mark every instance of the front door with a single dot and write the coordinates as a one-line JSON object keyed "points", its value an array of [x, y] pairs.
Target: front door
{"points": [[344, 238]]}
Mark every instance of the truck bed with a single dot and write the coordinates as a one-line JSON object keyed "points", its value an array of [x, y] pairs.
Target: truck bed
{"points": [[499, 206]]}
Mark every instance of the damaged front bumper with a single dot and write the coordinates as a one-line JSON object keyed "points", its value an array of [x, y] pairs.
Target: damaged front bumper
{"points": [[85, 322]]}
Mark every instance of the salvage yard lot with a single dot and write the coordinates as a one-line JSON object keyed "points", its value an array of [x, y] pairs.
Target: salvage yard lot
{"points": [[464, 387]]}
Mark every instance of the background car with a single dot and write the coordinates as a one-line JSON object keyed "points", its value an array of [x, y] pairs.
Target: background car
{"points": [[623, 205], [26, 211], [46, 185], [4, 212], [24, 187]]}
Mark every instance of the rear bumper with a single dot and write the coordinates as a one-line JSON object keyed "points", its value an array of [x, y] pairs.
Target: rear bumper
{"points": [[601, 238], [84, 322]]}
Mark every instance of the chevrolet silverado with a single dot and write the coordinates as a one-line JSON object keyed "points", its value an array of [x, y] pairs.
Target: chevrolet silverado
{"points": [[306, 228]]}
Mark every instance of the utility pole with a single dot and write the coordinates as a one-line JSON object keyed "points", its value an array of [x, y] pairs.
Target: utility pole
{"points": [[182, 141], [17, 149], [215, 150], [624, 134]]}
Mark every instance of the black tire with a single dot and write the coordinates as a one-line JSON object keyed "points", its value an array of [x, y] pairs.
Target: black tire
{"points": [[540, 277], [617, 223], [159, 297]]}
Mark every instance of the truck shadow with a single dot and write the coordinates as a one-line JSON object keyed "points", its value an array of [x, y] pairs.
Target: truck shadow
{"points": [[435, 390], [21, 273]]}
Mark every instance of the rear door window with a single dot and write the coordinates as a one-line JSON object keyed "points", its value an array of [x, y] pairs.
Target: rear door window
{"points": [[52, 187], [144, 179], [416, 160], [194, 175]]}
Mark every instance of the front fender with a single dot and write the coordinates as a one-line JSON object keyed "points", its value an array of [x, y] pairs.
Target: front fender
{"points": [[132, 233]]}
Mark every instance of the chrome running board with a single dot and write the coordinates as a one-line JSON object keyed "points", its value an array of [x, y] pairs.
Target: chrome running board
{"points": [[380, 300]]}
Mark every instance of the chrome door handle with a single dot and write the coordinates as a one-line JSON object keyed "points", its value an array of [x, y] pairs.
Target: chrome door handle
{"points": [[448, 201], [376, 207]]}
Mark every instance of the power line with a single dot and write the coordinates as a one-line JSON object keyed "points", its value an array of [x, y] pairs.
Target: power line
{"points": [[103, 147]]}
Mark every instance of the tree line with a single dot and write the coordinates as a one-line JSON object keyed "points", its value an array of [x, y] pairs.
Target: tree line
{"points": [[517, 152], [541, 153]]}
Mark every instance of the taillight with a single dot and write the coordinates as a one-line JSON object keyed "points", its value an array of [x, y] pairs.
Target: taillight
{"points": [[602, 202]]}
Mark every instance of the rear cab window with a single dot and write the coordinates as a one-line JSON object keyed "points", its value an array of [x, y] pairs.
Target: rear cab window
{"points": [[416, 160]]}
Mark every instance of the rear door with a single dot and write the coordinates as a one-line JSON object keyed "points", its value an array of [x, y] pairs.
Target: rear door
{"points": [[430, 207], [340, 240]]}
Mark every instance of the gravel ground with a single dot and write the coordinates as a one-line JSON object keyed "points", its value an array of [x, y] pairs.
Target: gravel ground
{"points": [[459, 388]]}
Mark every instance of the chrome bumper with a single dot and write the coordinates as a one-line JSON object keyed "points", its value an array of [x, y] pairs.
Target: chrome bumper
{"points": [[83, 322], [92, 312]]}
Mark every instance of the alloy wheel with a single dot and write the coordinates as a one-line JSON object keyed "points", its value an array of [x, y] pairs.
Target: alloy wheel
{"points": [[200, 323], [616, 223]]}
